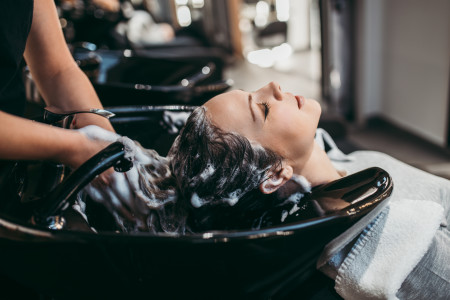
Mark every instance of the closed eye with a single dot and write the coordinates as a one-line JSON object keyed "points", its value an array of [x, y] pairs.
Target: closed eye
{"points": [[266, 107]]}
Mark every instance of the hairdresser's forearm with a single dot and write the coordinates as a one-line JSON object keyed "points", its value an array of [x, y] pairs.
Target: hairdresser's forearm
{"points": [[62, 84], [22, 139], [70, 90]]}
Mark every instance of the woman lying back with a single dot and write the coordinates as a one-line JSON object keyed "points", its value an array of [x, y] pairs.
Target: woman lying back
{"points": [[239, 154], [240, 146], [224, 168]]}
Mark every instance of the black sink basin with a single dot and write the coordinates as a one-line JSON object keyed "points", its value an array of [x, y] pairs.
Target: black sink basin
{"points": [[76, 263]]}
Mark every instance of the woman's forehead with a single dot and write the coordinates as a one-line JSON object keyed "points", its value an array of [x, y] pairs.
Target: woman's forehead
{"points": [[228, 96], [228, 110]]}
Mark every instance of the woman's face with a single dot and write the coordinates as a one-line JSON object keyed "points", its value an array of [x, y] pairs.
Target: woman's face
{"points": [[277, 120]]}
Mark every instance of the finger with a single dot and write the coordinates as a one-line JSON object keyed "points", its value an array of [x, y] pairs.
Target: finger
{"points": [[102, 194], [121, 188], [97, 194], [105, 178], [119, 207], [140, 199], [113, 190]]}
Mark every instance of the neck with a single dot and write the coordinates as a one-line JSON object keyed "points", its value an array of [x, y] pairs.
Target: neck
{"points": [[318, 169]]}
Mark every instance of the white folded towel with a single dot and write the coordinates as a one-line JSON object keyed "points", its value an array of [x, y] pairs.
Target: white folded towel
{"points": [[388, 250]]}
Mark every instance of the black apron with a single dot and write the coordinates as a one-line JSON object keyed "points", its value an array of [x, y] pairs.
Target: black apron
{"points": [[15, 23]]}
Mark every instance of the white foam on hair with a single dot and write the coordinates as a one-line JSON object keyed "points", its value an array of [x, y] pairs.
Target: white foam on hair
{"points": [[174, 120], [302, 182], [140, 185], [80, 207], [294, 209], [233, 197], [137, 189], [255, 144], [207, 172], [284, 215], [196, 201], [295, 198]]}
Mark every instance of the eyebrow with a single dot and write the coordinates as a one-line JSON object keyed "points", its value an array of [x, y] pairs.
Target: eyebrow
{"points": [[250, 99]]}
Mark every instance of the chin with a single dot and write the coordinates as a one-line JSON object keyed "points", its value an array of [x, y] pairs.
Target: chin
{"points": [[315, 106]]}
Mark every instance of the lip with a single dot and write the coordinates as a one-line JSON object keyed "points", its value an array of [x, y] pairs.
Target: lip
{"points": [[300, 101]]}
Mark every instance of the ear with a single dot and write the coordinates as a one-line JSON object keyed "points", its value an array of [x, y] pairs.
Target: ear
{"points": [[276, 179]]}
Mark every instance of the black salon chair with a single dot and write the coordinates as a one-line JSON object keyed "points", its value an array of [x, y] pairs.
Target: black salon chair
{"points": [[47, 247]]}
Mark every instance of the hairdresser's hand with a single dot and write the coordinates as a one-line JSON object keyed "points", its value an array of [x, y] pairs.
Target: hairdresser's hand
{"points": [[83, 120], [118, 196], [86, 147], [121, 197], [111, 188], [84, 151], [119, 192]]}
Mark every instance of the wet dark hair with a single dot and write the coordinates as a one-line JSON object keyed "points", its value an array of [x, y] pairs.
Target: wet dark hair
{"points": [[208, 181], [217, 173]]}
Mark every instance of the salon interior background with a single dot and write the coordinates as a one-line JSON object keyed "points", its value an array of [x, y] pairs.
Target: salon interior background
{"points": [[364, 59]]}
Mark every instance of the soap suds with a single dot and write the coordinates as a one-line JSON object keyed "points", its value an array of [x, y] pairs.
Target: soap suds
{"points": [[196, 201], [148, 191], [131, 196], [209, 170], [174, 121]]}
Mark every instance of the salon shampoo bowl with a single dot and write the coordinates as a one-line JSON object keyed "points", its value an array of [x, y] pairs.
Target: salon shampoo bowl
{"points": [[76, 263], [141, 77]]}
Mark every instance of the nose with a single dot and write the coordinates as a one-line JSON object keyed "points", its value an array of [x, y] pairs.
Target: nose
{"points": [[275, 89]]}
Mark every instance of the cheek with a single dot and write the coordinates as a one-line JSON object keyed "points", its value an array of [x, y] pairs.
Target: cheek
{"points": [[314, 109], [291, 132], [301, 135], [285, 137]]}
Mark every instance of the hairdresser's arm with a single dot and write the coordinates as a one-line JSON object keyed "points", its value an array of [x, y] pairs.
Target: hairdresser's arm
{"points": [[23, 139], [62, 84], [64, 87]]}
